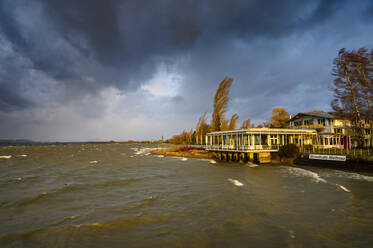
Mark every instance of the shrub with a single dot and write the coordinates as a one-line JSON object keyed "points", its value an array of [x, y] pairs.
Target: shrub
{"points": [[288, 151]]}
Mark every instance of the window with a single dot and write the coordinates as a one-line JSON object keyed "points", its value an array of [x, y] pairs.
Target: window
{"points": [[367, 131], [321, 122], [337, 130], [308, 122], [297, 123]]}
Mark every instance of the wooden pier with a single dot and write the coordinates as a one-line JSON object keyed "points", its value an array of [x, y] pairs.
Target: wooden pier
{"points": [[256, 144]]}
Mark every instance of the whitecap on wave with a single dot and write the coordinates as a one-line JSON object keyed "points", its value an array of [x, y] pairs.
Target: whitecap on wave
{"points": [[235, 182], [351, 175], [6, 156], [299, 172], [343, 187], [211, 161], [184, 159], [160, 156], [93, 162], [251, 165], [142, 150]]}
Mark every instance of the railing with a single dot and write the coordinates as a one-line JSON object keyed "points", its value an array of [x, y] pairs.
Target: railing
{"points": [[242, 147], [350, 153]]}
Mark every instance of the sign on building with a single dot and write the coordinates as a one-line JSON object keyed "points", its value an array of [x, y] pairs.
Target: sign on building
{"points": [[328, 157]]}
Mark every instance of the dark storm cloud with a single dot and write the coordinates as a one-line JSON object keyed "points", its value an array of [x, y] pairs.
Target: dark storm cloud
{"points": [[119, 43]]}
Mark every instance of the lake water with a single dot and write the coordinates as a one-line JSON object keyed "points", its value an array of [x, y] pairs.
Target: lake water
{"points": [[121, 196]]}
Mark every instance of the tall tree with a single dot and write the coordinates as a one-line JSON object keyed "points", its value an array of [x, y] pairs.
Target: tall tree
{"points": [[220, 104], [202, 129], [280, 117], [364, 75], [246, 124], [353, 89], [233, 122], [224, 125]]}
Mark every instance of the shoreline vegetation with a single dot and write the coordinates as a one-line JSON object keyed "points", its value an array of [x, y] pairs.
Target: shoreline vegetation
{"points": [[183, 151]]}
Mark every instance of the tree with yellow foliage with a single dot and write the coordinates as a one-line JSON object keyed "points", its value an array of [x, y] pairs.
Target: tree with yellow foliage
{"points": [[220, 104], [280, 118]]}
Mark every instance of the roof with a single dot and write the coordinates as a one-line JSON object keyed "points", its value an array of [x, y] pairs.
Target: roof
{"points": [[326, 115]]}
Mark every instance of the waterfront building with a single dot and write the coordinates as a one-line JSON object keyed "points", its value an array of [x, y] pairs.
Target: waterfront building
{"points": [[256, 144], [332, 132]]}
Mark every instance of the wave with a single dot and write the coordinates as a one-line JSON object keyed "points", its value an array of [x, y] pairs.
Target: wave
{"points": [[120, 182], [124, 223], [299, 172], [343, 187], [93, 162], [28, 200], [142, 151], [183, 159], [211, 161], [235, 182], [251, 165], [6, 156], [352, 175], [21, 155]]}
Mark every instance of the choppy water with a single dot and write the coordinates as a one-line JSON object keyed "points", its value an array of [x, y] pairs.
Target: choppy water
{"points": [[121, 196]]}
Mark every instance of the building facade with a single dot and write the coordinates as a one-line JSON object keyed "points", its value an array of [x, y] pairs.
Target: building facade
{"points": [[332, 132]]}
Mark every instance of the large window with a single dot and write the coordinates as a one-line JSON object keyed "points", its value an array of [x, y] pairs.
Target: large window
{"points": [[297, 123], [321, 122], [308, 122]]}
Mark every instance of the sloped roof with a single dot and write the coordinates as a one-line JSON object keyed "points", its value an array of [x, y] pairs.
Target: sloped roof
{"points": [[326, 115]]}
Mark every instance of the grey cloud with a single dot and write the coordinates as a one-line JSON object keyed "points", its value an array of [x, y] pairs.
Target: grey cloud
{"points": [[80, 48]]}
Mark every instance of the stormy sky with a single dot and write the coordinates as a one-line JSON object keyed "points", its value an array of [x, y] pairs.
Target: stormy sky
{"points": [[117, 70]]}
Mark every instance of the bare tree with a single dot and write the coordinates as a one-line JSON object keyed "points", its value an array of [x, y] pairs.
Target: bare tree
{"points": [[352, 89], [220, 104]]}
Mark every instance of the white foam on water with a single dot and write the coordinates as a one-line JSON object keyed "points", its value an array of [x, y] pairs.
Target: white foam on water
{"points": [[6, 156], [160, 156], [93, 162], [352, 175], [343, 188], [299, 172], [142, 151], [22, 155], [211, 161], [251, 165], [291, 234], [235, 182], [184, 159]]}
